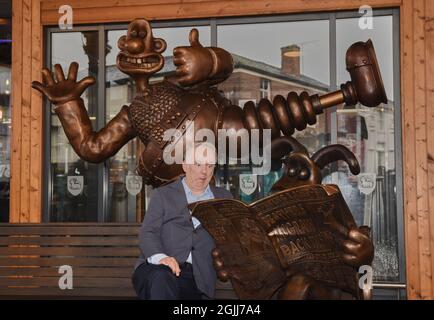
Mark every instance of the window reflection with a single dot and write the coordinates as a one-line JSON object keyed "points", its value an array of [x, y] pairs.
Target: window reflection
{"points": [[74, 192], [273, 59], [370, 134]]}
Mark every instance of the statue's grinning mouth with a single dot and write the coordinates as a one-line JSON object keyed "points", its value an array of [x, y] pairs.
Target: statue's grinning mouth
{"points": [[149, 62]]}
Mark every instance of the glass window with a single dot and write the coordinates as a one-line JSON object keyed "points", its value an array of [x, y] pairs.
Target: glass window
{"points": [[75, 185], [265, 89], [290, 60], [284, 60], [370, 134], [5, 117], [122, 202]]}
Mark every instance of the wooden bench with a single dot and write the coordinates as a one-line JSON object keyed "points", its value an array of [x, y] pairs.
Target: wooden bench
{"points": [[102, 258]]}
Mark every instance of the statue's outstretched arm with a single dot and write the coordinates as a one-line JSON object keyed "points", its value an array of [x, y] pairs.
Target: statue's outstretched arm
{"points": [[65, 93]]}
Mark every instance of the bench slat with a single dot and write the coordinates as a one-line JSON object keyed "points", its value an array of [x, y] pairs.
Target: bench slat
{"points": [[71, 251], [77, 292], [97, 272], [67, 240], [74, 262], [70, 230], [77, 282]]}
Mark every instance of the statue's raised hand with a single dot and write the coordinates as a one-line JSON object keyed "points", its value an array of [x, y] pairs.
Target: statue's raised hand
{"points": [[60, 89], [193, 63]]}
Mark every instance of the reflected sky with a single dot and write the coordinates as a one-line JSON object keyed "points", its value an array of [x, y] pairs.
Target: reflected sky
{"points": [[262, 42]]}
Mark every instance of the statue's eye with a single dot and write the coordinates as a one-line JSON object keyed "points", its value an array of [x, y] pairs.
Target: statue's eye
{"points": [[292, 172], [142, 34], [303, 174], [134, 33]]}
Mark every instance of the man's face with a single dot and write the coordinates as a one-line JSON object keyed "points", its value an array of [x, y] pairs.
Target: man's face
{"points": [[199, 173]]}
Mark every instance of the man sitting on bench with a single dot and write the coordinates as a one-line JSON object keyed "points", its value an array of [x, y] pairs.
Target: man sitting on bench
{"points": [[175, 260]]}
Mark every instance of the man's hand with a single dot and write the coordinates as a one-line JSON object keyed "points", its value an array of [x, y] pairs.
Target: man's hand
{"points": [[62, 90], [172, 264], [358, 248]]}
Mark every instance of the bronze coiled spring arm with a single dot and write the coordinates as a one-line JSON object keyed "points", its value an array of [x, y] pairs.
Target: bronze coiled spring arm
{"points": [[296, 111]]}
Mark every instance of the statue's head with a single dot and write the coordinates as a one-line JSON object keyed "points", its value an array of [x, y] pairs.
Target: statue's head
{"points": [[302, 169], [140, 55]]}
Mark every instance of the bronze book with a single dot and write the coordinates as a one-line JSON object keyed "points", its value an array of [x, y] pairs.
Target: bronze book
{"points": [[292, 231]]}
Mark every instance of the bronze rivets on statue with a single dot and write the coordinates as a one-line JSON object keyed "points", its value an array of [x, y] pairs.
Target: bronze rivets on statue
{"points": [[194, 111]]}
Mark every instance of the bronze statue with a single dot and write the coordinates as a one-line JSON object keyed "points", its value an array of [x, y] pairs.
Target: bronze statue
{"points": [[191, 94], [302, 275], [266, 248], [301, 169]]}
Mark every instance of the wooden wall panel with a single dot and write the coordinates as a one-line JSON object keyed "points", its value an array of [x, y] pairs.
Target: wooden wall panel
{"points": [[25, 110], [26, 164], [429, 40], [417, 102], [92, 11], [17, 71], [409, 151], [36, 119]]}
